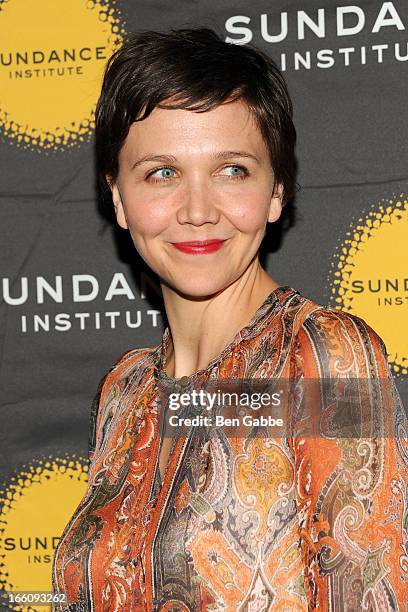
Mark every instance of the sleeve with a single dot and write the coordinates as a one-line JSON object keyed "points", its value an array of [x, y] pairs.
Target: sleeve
{"points": [[95, 416], [352, 486]]}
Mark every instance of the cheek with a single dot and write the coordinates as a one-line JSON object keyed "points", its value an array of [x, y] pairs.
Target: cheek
{"points": [[146, 217], [249, 212]]}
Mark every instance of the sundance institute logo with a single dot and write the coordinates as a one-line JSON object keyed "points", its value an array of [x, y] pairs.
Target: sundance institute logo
{"points": [[52, 56], [36, 506], [369, 276]]}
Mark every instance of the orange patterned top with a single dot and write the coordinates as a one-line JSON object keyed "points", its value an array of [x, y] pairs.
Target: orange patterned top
{"points": [[286, 524]]}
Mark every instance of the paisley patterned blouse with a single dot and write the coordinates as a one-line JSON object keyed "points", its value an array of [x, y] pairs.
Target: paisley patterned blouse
{"points": [[239, 524]]}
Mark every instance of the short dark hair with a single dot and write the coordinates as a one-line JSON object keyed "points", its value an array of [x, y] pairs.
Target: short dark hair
{"points": [[192, 69]]}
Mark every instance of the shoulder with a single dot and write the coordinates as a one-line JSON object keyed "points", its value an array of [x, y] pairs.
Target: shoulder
{"points": [[124, 371], [124, 368], [129, 363], [329, 324], [331, 341]]}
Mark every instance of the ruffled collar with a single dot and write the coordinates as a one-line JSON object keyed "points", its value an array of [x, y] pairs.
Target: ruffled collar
{"points": [[259, 321]]}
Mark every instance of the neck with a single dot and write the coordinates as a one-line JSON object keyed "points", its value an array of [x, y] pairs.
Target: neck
{"points": [[201, 329]]}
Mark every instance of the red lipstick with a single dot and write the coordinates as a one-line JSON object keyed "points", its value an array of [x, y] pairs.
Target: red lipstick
{"points": [[198, 247]]}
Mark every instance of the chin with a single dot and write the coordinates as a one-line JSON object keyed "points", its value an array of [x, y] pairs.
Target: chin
{"points": [[196, 289]]}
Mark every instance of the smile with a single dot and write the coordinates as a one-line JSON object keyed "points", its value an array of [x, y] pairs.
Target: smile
{"points": [[197, 247]]}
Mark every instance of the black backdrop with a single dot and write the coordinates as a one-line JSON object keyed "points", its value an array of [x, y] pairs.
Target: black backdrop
{"points": [[75, 296]]}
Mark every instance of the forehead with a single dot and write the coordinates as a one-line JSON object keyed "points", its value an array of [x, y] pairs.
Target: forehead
{"points": [[231, 126]]}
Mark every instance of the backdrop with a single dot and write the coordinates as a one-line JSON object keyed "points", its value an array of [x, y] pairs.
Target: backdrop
{"points": [[75, 296]]}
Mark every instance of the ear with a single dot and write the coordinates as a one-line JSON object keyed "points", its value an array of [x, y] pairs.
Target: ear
{"points": [[275, 207], [118, 204]]}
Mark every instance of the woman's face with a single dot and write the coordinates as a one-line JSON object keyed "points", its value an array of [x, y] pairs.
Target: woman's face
{"points": [[186, 176]]}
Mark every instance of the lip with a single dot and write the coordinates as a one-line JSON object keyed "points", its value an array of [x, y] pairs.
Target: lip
{"points": [[199, 247]]}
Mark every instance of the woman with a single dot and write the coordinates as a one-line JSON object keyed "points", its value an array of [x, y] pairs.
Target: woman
{"points": [[195, 143]]}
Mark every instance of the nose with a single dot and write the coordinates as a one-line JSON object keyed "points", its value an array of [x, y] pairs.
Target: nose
{"points": [[197, 206]]}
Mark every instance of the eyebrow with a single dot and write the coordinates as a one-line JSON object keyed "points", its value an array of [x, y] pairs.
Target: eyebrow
{"points": [[166, 159], [170, 159], [229, 154]]}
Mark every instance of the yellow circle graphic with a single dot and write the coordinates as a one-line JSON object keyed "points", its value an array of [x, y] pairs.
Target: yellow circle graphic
{"points": [[52, 56], [36, 506], [369, 276]]}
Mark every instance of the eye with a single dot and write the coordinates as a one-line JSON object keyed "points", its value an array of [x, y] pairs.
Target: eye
{"points": [[166, 173], [236, 171]]}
